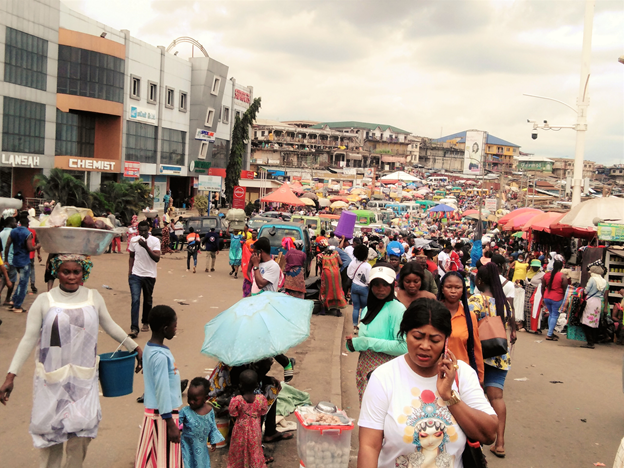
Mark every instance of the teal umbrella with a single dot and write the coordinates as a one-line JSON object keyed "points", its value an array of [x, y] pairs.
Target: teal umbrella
{"points": [[258, 327]]}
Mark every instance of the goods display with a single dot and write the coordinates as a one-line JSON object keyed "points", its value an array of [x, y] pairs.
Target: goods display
{"points": [[236, 219]]}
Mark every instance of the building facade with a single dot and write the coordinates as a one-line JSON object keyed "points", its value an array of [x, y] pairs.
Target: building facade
{"points": [[103, 105], [564, 168], [441, 156]]}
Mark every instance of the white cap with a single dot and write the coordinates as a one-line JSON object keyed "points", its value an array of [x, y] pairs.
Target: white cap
{"points": [[385, 273]]}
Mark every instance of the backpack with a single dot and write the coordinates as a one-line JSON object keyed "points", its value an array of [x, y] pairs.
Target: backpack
{"points": [[193, 246]]}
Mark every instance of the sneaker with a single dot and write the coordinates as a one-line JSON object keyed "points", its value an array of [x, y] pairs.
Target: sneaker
{"points": [[194, 270], [289, 370], [145, 327], [133, 333], [33, 288], [212, 269]]}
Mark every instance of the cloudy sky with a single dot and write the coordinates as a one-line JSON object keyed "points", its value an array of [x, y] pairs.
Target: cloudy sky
{"points": [[432, 67]]}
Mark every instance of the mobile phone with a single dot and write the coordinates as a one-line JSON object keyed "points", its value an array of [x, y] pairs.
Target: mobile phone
{"points": [[446, 356]]}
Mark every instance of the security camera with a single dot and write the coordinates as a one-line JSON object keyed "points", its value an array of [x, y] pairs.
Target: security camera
{"points": [[534, 134]]}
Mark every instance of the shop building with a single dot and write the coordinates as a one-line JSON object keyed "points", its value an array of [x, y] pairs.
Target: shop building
{"points": [[102, 105]]}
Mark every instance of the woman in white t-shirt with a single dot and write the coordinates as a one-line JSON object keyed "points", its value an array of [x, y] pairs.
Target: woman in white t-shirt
{"points": [[418, 409]]}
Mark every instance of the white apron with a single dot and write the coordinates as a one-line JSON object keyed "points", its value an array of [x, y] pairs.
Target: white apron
{"points": [[66, 393]]}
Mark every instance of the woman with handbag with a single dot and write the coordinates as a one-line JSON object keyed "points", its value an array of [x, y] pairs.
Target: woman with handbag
{"points": [[422, 408], [464, 341], [491, 304], [358, 272]]}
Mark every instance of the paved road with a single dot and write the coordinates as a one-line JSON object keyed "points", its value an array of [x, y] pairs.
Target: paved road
{"points": [[545, 427]]}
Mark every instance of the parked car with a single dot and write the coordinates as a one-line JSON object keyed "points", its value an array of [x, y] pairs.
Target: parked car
{"points": [[203, 224], [277, 215], [276, 231], [257, 222]]}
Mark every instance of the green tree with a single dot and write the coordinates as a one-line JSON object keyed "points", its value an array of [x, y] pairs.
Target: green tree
{"points": [[123, 198], [240, 137], [201, 204], [64, 188]]}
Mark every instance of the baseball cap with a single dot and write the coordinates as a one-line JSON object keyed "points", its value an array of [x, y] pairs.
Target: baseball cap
{"points": [[536, 263], [382, 272]]}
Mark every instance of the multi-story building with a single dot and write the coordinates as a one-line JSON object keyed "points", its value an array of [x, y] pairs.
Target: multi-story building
{"points": [[101, 104], [498, 155], [564, 168], [441, 156]]}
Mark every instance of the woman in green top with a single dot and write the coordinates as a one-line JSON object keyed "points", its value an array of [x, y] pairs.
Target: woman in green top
{"points": [[491, 302], [377, 340]]}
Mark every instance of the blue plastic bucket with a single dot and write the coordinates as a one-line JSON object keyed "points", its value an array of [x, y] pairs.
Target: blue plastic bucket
{"points": [[117, 374]]}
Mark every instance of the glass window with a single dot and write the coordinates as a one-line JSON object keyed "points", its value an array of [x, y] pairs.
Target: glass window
{"points": [[173, 147], [75, 134], [23, 126], [90, 74], [141, 142], [26, 59]]}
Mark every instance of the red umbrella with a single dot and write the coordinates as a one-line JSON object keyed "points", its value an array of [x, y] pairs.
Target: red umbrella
{"points": [[296, 187], [516, 223], [543, 221], [470, 212], [283, 195], [418, 195], [505, 219], [335, 199]]}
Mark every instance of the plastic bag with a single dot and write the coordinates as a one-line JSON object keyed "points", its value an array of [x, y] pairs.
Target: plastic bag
{"points": [[58, 217]]}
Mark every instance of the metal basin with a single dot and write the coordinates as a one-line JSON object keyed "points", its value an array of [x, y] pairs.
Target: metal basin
{"points": [[84, 241]]}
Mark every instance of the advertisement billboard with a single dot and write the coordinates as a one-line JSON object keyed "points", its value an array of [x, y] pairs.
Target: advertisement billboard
{"points": [[611, 232], [209, 183], [132, 169], [239, 197], [473, 153]]}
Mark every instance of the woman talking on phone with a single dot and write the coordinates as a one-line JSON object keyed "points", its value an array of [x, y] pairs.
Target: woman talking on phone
{"points": [[420, 408]]}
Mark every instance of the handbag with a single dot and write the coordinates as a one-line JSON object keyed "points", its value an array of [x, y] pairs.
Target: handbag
{"points": [[349, 281], [472, 456], [493, 336]]}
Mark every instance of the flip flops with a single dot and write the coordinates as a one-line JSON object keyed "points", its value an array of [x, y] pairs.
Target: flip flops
{"points": [[498, 453], [18, 310]]}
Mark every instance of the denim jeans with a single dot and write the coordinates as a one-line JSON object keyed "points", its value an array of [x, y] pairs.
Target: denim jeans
{"points": [[32, 272], [553, 314], [359, 296], [188, 259], [138, 284], [22, 288]]}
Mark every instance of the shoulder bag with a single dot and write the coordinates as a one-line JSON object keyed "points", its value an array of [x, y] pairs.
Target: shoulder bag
{"points": [[193, 246], [492, 334], [472, 456]]}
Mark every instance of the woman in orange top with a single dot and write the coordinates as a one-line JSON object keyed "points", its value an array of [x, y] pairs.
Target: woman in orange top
{"points": [[463, 344]]}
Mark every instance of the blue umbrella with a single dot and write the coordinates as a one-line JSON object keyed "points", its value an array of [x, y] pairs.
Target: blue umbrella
{"points": [[441, 207], [258, 327]]}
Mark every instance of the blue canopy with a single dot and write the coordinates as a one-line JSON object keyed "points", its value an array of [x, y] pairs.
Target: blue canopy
{"points": [[441, 207]]}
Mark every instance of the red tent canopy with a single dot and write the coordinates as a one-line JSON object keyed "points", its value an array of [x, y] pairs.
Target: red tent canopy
{"points": [[517, 222], [543, 221], [283, 195], [505, 219], [296, 187]]}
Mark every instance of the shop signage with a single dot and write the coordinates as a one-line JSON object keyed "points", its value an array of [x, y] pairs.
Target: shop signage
{"points": [[216, 171], [490, 204], [204, 135], [199, 166], [248, 175], [24, 160], [132, 169], [141, 114], [173, 170], [239, 197], [209, 183], [349, 171], [242, 96], [86, 164], [611, 232]]}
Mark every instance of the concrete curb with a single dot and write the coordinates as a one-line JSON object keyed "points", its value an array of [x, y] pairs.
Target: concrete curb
{"points": [[336, 371]]}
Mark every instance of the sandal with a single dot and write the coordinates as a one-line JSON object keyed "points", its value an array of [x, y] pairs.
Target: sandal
{"points": [[587, 346], [145, 327], [552, 338], [8, 304], [268, 459], [278, 437], [498, 453], [18, 310], [289, 370]]}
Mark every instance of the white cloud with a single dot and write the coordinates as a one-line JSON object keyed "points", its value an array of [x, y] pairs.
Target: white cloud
{"points": [[426, 66]]}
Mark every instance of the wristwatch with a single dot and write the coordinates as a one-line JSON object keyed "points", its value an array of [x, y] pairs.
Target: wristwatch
{"points": [[455, 398], [256, 268]]}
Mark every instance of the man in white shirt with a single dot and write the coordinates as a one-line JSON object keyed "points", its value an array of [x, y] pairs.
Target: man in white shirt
{"points": [[266, 272], [444, 260], [144, 255]]}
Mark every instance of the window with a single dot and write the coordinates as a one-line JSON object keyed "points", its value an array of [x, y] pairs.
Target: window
{"points": [[183, 101], [225, 115], [135, 87], [209, 117], [75, 134], [203, 150], [238, 114], [216, 84], [141, 142], [90, 74], [26, 59], [152, 95], [169, 97], [23, 126], [173, 143]]}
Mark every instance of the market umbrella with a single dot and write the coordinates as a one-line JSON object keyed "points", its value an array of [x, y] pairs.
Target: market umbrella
{"points": [[505, 219], [310, 195], [441, 208], [257, 327], [543, 221], [307, 201], [324, 202], [336, 198], [517, 222], [467, 213], [283, 195], [418, 195], [579, 222], [338, 204], [399, 175]]}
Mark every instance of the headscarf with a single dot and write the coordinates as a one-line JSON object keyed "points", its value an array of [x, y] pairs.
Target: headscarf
{"points": [[287, 243], [83, 260], [135, 221]]}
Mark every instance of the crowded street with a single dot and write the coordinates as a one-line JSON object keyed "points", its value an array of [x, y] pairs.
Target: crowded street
{"points": [[545, 420]]}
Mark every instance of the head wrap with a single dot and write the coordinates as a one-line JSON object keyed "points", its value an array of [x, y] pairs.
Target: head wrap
{"points": [[323, 243], [83, 260], [287, 243]]}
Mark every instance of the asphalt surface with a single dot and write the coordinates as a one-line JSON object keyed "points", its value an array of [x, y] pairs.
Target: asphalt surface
{"points": [[575, 423]]}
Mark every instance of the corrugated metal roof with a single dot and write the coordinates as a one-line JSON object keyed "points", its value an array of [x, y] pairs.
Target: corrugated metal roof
{"points": [[461, 138], [354, 124]]}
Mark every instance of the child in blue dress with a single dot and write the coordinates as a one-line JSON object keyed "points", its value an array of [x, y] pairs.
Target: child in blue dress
{"points": [[198, 426]]}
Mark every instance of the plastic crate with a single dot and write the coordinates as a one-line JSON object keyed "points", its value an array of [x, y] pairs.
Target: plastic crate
{"points": [[323, 446]]}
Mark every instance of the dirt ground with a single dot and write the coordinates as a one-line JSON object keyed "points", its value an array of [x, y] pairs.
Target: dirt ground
{"points": [[572, 424]]}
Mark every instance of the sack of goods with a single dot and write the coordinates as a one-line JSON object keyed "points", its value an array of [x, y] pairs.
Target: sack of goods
{"points": [[236, 218]]}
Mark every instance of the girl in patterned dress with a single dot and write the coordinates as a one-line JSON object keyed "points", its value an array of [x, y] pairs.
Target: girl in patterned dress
{"points": [[198, 426], [248, 408]]}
